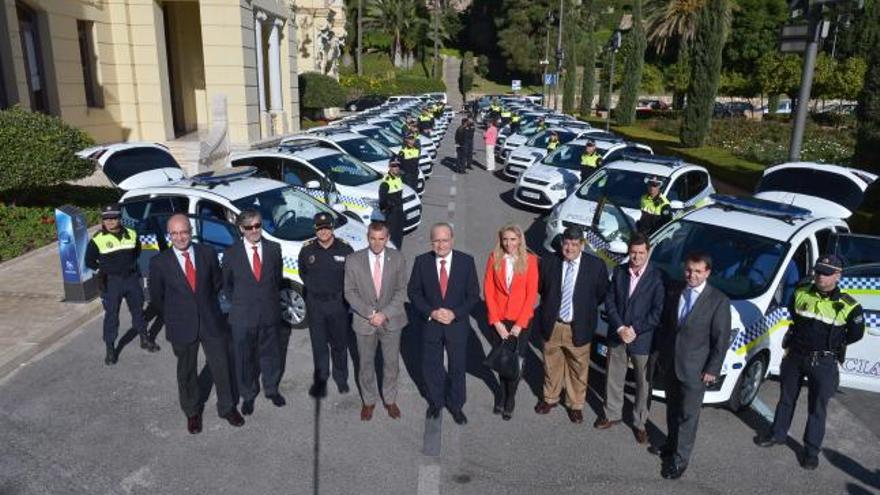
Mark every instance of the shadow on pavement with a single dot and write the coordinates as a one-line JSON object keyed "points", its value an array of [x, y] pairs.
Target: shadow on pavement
{"points": [[851, 467], [411, 342]]}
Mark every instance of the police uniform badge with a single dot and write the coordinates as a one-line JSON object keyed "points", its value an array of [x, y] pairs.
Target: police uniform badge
{"points": [[109, 245], [311, 259]]}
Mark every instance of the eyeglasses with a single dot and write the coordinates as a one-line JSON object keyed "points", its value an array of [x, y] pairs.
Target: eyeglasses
{"points": [[252, 227]]}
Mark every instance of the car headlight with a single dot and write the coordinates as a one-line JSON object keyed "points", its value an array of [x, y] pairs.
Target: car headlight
{"points": [[559, 186]]}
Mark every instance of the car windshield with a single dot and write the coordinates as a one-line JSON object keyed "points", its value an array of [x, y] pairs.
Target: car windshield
{"points": [[568, 156], [288, 214], [345, 170], [743, 264], [818, 183], [622, 187], [383, 136], [540, 140], [365, 149]]}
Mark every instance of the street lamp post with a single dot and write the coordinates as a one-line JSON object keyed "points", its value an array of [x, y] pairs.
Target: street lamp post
{"points": [[613, 46], [545, 91], [559, 55]]}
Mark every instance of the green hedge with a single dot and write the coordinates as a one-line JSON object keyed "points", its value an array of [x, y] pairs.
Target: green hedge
{"points": [[317, 91], [39, 150], [356, 86]]}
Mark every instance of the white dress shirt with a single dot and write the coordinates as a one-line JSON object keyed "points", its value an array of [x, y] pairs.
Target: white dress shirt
{"points": [[575, 266], [249, 251], [448, 259], [695, 294], [182, 261], [509, 261]]}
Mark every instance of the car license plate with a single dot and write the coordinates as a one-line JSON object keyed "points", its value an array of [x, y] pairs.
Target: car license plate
{"points": [[412, 214], [530, 194], [602, 350]]}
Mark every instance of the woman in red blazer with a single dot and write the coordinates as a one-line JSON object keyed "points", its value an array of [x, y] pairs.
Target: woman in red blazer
{"points": [[510, 288]]}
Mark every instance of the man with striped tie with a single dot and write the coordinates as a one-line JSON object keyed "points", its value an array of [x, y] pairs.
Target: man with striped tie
{"points": [[572, 286]]}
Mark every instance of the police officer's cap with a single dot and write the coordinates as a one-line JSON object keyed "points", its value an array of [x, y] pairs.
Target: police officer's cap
{"points": [[323, 220], [591, 143], [828, 265], [654, 181], [110, 211], [394, 162], [573, 233]]}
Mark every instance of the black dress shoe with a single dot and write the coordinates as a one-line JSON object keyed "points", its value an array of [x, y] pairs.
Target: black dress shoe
{"points": [[506, 415], [318, 390], [194, 424], [277, 400], [497, 410], [234, 418], [663, 451], [768, 441], [343, 388], [110, 357], [673, 472], [433, 412], [247, 407], [810, 462], [149, 345], [458, 416]]}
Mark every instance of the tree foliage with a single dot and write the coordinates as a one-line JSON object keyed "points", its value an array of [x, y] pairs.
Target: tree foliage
{"points": [[588, 81], [570, 81], [522, 29], [466, 74], [705, 72], [634, 49], [867, 150], [318, 91], [754, 31]]}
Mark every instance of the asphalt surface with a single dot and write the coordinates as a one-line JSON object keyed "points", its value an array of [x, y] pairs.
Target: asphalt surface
{"points": [[72, 425]]}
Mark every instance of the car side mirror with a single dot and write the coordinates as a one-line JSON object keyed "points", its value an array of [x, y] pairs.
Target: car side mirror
{"points": [[676, 205], [332, 198], [313, 184], [618, 247], [339, 208]]}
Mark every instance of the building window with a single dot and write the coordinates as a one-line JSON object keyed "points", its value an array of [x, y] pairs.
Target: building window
{"points": [[88, 57], [32, 53]]}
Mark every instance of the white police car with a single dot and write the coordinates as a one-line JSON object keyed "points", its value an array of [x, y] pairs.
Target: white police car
{"points": [[395, 143], [623, 182], [551, 180], [331, 175], [534, 150], [156, 188], [761, 249]]}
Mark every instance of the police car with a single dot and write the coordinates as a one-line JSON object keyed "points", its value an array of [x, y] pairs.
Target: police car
{"points": [[155, 188], [395, 144], [622, 183], [762, 248], [550, 181], [534, 149], [331, 175]]}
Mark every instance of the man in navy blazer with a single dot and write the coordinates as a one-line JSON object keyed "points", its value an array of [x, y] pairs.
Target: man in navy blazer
{"points": [[443, 288], [572, 286], [185, 284], [634, 305], [252, 281]]}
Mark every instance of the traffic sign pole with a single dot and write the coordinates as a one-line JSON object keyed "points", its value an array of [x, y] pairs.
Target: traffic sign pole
{"points": [[803, 102]]}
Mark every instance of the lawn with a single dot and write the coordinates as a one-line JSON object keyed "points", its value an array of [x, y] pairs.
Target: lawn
{"points": [[484, 86]]}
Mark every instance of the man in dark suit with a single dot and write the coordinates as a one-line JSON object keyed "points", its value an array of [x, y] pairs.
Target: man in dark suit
{"points": [[572, 286], [443, 288], [252, 281], [185, 284], [692, 343], [634, 305]]}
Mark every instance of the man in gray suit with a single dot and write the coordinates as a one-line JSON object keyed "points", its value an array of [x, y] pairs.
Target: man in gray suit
{"points": [[692, 346], [375, 288]]}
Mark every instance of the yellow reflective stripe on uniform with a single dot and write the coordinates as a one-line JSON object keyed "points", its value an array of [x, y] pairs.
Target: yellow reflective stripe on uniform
{"points": [[108, 243], [410, 153], [395, 184], [649, 205], [835, 320], [589, 160], [810, 305]]}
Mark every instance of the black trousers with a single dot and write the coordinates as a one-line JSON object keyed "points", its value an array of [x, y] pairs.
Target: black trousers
{"points": [[445, 387], [460, 163], [215, 349], [257, 356], [394, 219], [328, 328], [823, 379], [411, 178], [684, 400], [120, 287], [507, 400]]}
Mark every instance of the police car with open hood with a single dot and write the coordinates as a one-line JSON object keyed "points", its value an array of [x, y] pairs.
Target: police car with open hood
{"points": [[762, 247], [333, 176], [623, 182], [550, 181], [156, 187]]}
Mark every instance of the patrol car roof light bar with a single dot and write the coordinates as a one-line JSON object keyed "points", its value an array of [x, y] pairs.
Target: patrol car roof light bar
{"points": [[222, 177], [669, 161], [781, 211]]}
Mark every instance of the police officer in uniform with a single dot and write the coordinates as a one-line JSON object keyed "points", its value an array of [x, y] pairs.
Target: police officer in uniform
{"points": [[426, 122], [506, 115], [553, 142], [391, 202], [541, 124], [589, 160], [824, 322], [514, 123], [409, 162], [654, 206], [113, 254], [322, 269]]}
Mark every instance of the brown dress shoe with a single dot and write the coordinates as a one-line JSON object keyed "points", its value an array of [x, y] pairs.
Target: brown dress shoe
{"points": [[194, 424], [575, 416], [544, 407], [604, 423], [367, 412], [393, 410], [641, 436], [234, 418]]}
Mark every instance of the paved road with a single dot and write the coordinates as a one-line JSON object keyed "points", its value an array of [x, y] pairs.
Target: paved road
{"points": [[72, 425]]}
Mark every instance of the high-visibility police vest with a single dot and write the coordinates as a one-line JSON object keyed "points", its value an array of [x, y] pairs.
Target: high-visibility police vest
{"points": [[395, 184], [424, 118], [505, 114], [515, 118], [108, 243], [819, 320], [591, 160], [409, 153], [551, 145], [654, 206]]}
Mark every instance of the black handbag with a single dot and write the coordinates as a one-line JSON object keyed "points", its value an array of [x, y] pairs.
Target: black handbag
{"points": [[504, 359]]}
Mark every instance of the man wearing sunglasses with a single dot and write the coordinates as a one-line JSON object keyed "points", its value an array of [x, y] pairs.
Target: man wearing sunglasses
{"points": [[252, 281]]}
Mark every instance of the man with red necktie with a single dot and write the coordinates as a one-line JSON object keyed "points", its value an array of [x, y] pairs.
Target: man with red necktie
{"points": [[443, 289], [185, 284], [252, 282]]}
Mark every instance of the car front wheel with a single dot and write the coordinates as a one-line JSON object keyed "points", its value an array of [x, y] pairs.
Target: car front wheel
{"points": [[293, 306], [748, 384]]}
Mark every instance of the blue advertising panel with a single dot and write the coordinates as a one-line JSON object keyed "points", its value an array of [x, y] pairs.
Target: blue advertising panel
{"points": [[73, 238]]}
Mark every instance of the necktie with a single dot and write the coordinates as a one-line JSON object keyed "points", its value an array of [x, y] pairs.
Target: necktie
{"points": [[190, 270], [633, 281], [377, 277], [258, 265], [567, 292], [444, 279], [686, 307]]}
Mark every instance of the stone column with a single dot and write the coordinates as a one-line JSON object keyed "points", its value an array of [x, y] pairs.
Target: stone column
{"points": [[275, 67], [261, 77]]}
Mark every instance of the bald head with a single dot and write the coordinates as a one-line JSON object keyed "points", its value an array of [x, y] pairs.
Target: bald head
{"points": [[179, 229]]}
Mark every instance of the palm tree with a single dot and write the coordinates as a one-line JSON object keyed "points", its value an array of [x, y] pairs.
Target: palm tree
{"points": [[399, 19]]}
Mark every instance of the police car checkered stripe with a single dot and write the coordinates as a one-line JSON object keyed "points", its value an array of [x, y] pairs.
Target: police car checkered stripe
{"points": [[746, 339], [859, 283], [872, 319], [601, 247], [346, 200], [291, 265]]}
